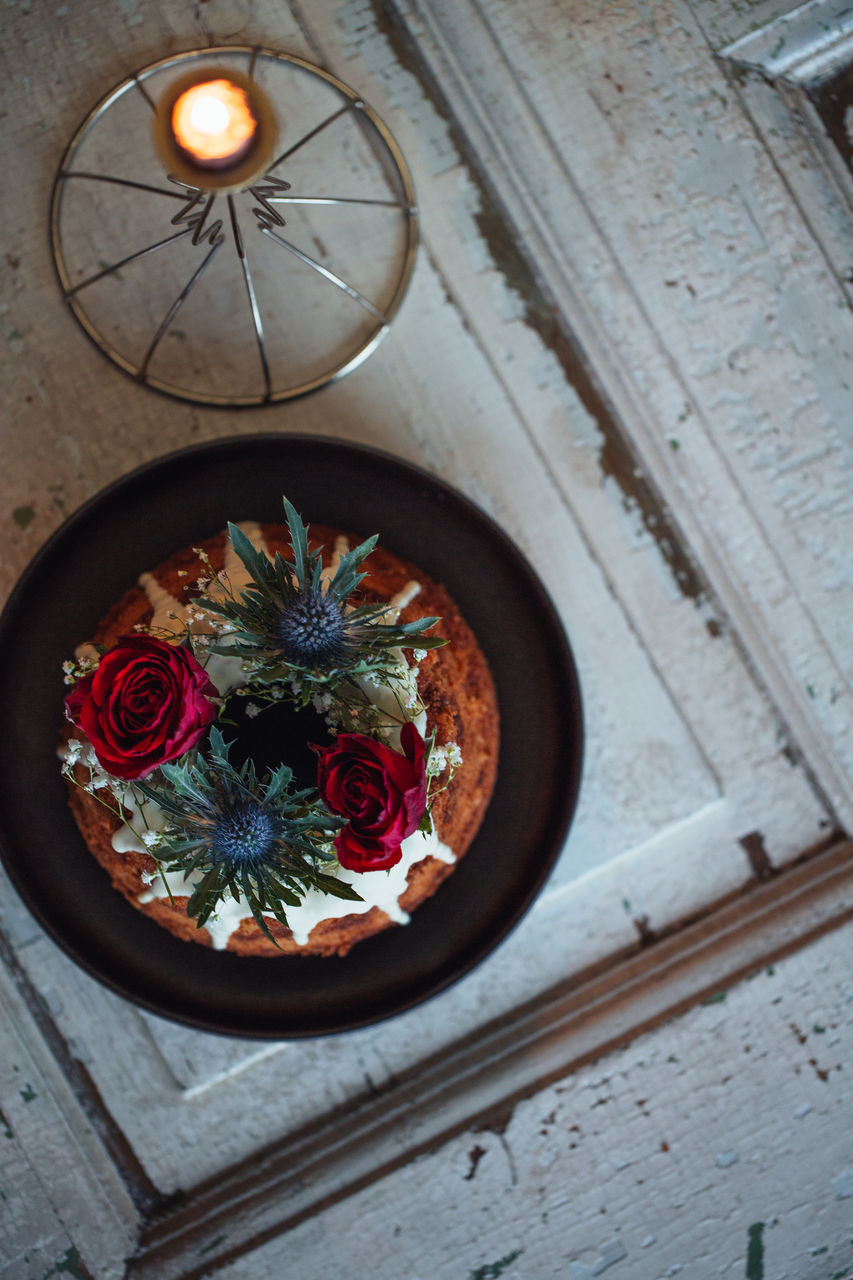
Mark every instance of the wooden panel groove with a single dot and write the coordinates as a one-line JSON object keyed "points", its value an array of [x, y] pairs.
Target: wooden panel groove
{"points": [[478, 1081], [141, 1189], [543, 314]]}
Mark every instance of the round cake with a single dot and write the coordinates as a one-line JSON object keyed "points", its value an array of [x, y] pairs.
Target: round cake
{"points": [[280, 741]]}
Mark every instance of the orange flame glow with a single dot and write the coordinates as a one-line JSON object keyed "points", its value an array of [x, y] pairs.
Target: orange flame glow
{"points": [[214, 123]]}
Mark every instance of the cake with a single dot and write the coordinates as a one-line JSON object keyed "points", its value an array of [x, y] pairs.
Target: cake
{"points": [[368, 705]]}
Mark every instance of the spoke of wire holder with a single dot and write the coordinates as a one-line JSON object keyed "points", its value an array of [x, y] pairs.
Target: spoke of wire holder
{"points": [[131, 257], [388, 204], [175, 307], [146, 95], [312, 133], [253, 301], [120, 182], [327, 275]]}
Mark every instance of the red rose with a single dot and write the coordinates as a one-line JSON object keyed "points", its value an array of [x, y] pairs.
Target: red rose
{"points": [[381, 791], [147, 703]]}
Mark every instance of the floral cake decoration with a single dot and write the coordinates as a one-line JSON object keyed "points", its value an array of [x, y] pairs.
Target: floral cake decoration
{"points": [[148, 727]]}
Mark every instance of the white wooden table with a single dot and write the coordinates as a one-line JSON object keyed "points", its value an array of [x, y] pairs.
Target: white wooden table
{"points": [[628, 338]]}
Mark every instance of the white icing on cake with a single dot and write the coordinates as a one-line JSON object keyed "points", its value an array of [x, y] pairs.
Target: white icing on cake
{"points": [[381, 889]]}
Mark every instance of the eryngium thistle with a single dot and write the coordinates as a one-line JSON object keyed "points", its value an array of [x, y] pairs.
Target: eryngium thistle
{"points": [[231, 833], [245, 832], [289, 617], [311, 631]]}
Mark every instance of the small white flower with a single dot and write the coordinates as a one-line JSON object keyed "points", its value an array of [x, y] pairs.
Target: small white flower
{"points": [[252, 710], [73, 750], [419, 654], [150, 838]]}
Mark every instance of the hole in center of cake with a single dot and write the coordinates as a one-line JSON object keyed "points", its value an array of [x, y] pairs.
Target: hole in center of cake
{"points": [[278, 734]]}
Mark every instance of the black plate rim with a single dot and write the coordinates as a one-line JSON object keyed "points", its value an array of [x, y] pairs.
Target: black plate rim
{"points": [[440, 488]]}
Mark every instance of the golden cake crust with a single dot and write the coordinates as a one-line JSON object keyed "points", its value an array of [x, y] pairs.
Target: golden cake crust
{"points": [[454, 683]]}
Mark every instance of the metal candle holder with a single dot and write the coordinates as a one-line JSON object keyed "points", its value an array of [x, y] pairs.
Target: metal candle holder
{"points": [[263, 324]]}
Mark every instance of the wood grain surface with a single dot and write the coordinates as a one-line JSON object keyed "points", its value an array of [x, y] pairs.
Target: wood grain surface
{"points": [[628, 339]]}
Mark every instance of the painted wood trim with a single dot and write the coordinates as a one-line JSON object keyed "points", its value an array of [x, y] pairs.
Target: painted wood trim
{"points": [[809, 41], [479, 1080], [781, 59]]}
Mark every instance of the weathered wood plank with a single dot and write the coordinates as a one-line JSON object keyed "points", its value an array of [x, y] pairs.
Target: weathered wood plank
{"points": [[64, 1206], [548, 389], [676, 1171], [684, 333]]}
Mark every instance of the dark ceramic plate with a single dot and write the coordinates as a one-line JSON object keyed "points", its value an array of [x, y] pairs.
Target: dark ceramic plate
{"points": [[137, 522]]}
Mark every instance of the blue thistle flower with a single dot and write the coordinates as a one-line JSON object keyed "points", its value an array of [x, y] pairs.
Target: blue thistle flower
{"points": [[245, 833], [289, 619], [230, 833], [311, 631]]}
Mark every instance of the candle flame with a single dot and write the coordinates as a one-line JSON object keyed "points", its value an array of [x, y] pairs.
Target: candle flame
{"points": [[214, 121]]}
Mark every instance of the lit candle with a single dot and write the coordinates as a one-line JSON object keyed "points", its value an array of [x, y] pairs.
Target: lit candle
{"points": [[215, 130]]}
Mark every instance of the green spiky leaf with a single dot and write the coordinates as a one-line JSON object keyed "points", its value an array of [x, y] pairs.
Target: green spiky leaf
{"points": [[262, 841], [289, 622]]}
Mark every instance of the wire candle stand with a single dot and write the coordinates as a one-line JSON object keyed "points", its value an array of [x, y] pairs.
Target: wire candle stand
{"points": [[203, 222]]}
